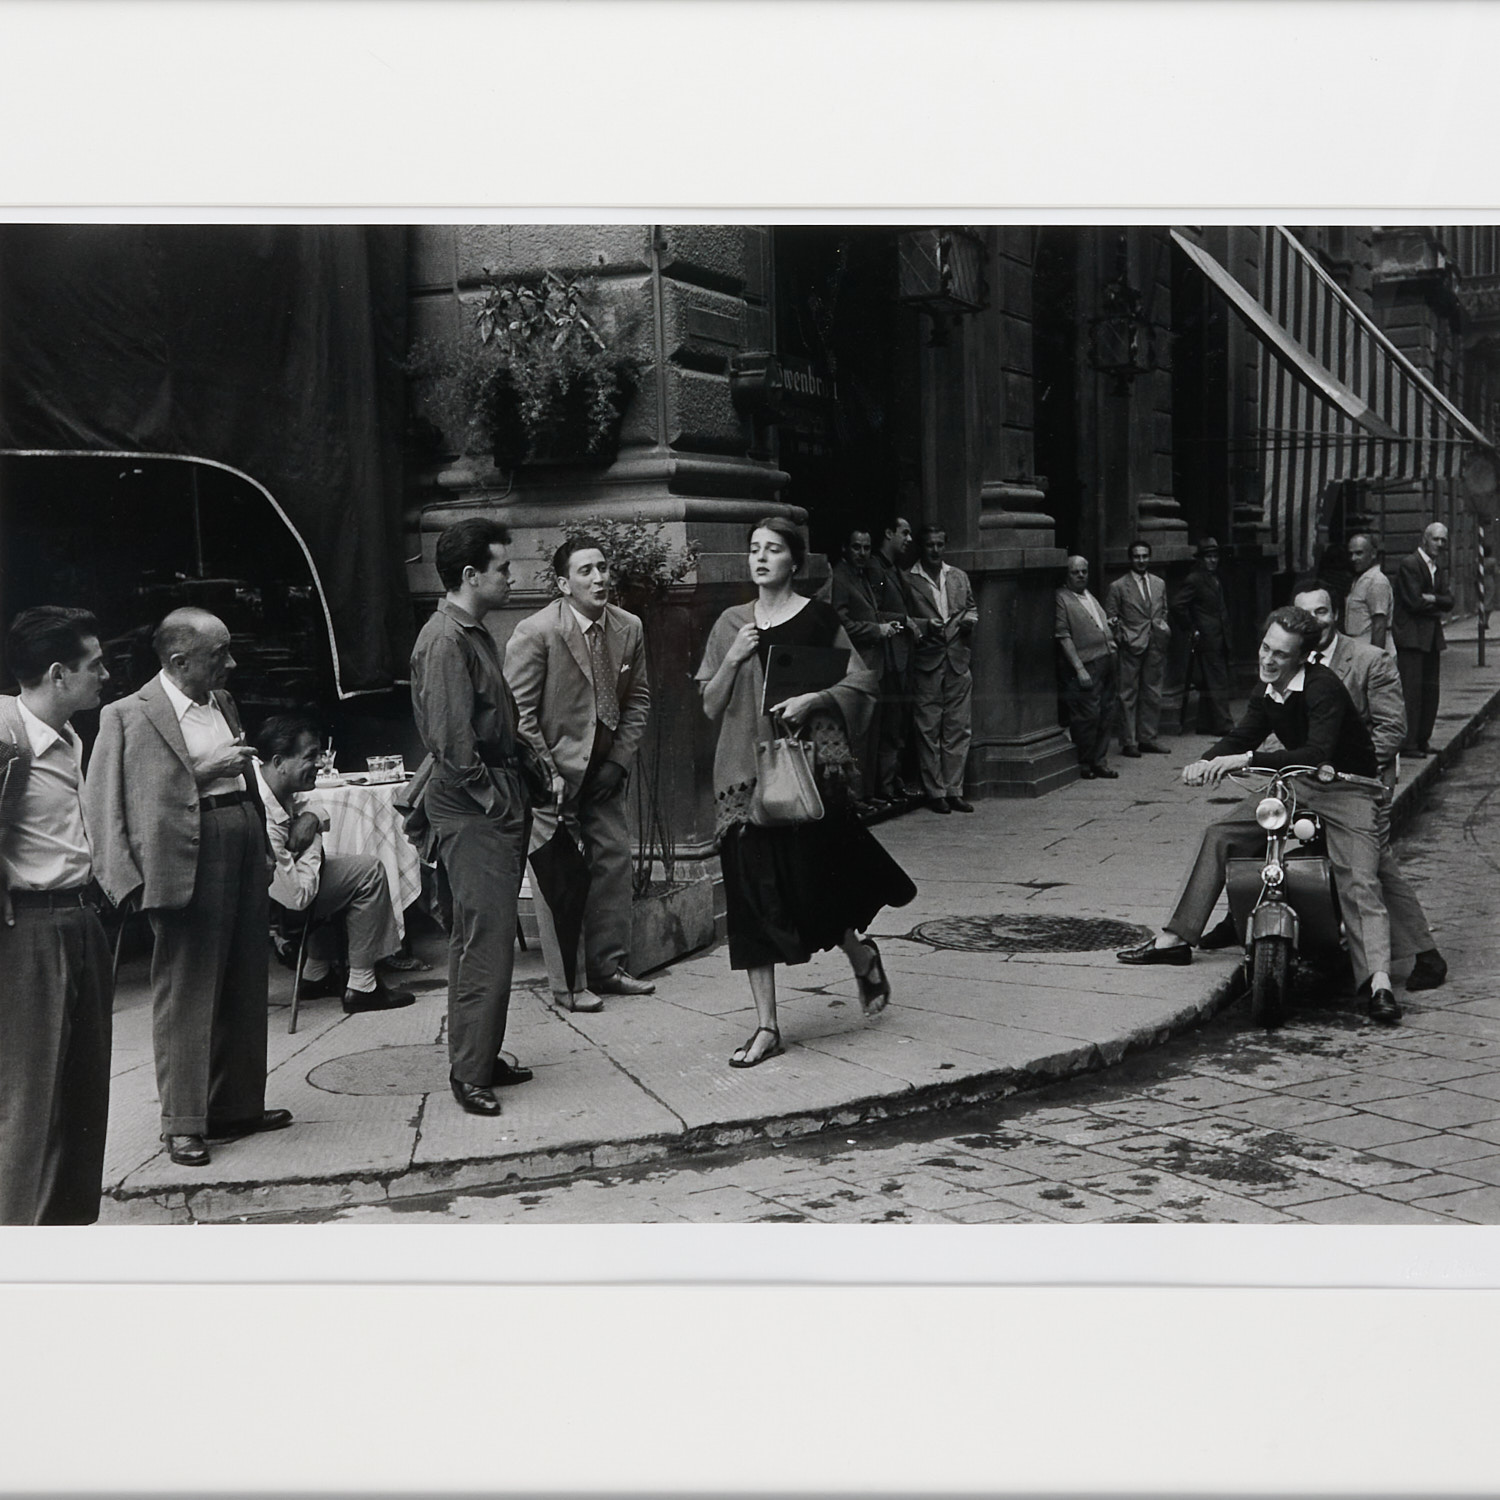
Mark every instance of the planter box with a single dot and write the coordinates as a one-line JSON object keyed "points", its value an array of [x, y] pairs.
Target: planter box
{"points": [[669, 923]]}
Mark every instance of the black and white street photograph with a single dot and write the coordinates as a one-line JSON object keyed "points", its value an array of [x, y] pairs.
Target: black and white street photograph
{"points": [[699, 694], [745, 722]]}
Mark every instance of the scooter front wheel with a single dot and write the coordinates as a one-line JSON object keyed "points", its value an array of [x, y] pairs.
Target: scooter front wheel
{"points": [[1270, 980]]}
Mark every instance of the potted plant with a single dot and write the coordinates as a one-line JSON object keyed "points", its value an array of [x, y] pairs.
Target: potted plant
{"points": [[539, 377], [671, 916]]}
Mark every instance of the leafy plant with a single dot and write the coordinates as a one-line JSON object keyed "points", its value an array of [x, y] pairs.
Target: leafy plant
{"points": [[644, 567], [540, 376]]}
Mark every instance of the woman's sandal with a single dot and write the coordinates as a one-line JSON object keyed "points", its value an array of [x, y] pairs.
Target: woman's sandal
{"points": [[874, 992], [742, 1058]]}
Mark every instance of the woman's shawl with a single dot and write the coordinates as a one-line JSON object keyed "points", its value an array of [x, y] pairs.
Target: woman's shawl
{"points": [[853, 698]]}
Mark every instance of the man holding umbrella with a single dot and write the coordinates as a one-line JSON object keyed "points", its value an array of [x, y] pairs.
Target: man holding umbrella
{"points": [[577, 668]]}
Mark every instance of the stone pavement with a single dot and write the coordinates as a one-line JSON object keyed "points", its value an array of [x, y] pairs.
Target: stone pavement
{"points": [[647, 1079]]}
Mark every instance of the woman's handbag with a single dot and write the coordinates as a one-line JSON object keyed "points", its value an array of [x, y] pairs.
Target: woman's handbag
{"points": [[786, 791]]}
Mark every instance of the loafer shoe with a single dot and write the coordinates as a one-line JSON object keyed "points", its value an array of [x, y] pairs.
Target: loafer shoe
{"points": [[475, 1100], [579, 1000], [332, 983], [1429, 971], [1383, 1008], [187, 1150], [938, 805], [1149, 953], [1221, 935], [382, 997], [1108, 773], [269, 1119], [508, 1073], [1088, 773], [960, 804], [621, 983], [1154, 749], [1130, 752]]}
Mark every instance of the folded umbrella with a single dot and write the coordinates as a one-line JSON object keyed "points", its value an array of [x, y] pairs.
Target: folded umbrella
{"points": [[562, 880]]}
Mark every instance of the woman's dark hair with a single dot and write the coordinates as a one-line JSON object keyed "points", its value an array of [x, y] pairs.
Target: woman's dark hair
{"points": [[787, 532], [49, 633], [1295, 622], [280, 733], [466, 544], [562, 559]]}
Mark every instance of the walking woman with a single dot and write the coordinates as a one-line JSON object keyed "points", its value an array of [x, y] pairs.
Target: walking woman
{"points": [[794, 890]]}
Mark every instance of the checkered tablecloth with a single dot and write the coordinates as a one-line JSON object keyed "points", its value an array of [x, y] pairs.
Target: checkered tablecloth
{"points": [[362, 820]]}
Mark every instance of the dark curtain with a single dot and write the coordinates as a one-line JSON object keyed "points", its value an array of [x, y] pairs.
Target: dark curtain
{"points": [[274, 349]]}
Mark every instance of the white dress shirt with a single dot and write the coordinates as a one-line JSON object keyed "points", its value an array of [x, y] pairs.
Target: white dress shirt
{"points": [[294, 884], [1296, 685], [206, 731], [940, 584], [47, 849]]}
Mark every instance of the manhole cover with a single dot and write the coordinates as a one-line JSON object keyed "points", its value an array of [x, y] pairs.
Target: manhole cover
{"points": [[1007, 933], [385, 1070]]}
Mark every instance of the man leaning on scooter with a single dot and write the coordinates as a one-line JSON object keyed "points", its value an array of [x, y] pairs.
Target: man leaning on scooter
{"points": [[1309, 711]]}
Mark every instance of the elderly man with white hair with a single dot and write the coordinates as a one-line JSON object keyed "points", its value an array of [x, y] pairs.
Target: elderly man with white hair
{"points": [[1423, 597]]}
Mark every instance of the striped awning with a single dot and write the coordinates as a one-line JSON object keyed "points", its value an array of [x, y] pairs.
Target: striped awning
{"points": [[1338, 400]]}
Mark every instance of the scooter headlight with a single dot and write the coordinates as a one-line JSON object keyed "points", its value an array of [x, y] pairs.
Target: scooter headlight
{"points": [[1272, 874], [1304, 828], [1271, 813]]}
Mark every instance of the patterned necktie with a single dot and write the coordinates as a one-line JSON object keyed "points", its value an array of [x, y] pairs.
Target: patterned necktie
{"points": [[606, 700]]}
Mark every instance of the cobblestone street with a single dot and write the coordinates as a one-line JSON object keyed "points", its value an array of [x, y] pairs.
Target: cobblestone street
{"points": [[1330, 1120]]}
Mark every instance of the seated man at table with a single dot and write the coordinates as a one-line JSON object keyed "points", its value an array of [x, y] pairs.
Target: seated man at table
{"points": [[351, 886]]}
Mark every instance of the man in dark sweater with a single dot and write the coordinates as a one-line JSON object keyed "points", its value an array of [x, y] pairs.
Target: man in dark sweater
{"points": [[1309, 711]]}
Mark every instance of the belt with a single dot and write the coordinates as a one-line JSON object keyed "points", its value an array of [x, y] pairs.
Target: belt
{"points": [[78, 895], [224, 799]]}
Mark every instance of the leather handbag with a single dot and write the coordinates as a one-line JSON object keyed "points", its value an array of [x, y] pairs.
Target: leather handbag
{"points": [[786, 791]]}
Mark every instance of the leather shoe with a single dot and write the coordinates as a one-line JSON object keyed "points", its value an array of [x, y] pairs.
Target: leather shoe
{"points": [[1383, 1008], [332, 983], [960, 804], [1221, 935], [1108, 773], [1130, 752], [475, 1100], [621, 983], [1154, 749], [938, 805], [232, 1130], [187, 1150], [1429, 971], [579, 1000], [382, 997], [507, 1073], [1088, 773], [1417, 752], [1149, 953]]}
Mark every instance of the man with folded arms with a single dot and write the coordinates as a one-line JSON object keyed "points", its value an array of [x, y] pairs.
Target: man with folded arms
{"points": [[57, 989], [177, 826], [351, 887], [1306, 707], [577, 668]]}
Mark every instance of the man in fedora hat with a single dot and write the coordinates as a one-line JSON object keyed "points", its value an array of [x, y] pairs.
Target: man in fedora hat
{"points": [[1200, 611]]}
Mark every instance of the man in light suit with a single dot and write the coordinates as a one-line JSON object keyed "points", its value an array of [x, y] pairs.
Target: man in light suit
{"points": [[942, 685], [1086, 670], [1374, 687], [178, 828], [1422, 599], [1137, 608], [577, 668]]}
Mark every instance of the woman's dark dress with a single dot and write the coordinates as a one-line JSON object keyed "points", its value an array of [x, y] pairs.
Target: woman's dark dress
{"points": [[794, 891]]}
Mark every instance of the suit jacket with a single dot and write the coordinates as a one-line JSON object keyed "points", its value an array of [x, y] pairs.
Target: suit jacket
{"points": [[941, 639], [1199, 605], [548, 669], [892, 602], [140, 801], [851, 593], [1418, 626], [1138, 625], [1373, 683]]}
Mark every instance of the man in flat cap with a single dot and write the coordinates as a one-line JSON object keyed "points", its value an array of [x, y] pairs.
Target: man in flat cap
{"points": [[1200, 611]]}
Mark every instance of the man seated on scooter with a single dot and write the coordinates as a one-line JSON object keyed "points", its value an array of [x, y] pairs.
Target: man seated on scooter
{"points": [[1308, 710]]}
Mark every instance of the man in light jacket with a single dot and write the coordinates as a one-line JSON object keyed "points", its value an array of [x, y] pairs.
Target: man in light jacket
{"points": [[1136, 605], [942, 684], [1086, 669], [577, 668]]}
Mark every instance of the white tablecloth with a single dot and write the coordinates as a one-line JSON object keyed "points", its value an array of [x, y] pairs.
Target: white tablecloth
{"points": [[361, 820]]}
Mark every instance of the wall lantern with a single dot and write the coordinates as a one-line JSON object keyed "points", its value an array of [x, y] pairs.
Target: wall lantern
{"points": [[1122, 339], [941, 272]]}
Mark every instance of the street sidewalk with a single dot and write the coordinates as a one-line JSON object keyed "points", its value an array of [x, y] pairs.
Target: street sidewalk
{"points": [[648, 1077]]}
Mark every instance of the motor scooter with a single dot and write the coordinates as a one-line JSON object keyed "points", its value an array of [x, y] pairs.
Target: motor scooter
{"points": [[1285, 904]]}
